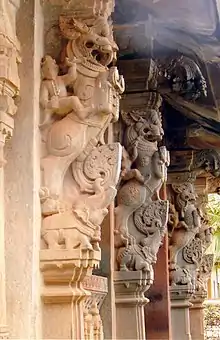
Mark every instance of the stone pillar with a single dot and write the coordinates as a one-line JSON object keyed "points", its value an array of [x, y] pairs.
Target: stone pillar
{"points": [[180, 305], [9, 90], [159, 294], [79, 99], [140, 214], [159, 297], [190, 235], [197, 320], [184, 224], [130, 301]]}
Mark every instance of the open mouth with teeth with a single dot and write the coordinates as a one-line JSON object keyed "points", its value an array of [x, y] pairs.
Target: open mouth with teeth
{"points": [[103, 58]]}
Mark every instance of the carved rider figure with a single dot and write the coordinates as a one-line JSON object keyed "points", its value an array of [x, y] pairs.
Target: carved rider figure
{"points": [[54, 97]]}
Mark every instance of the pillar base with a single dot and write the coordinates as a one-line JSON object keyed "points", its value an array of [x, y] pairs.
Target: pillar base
{"points": [[130, 287], [180, 304], [64, 295], [196, 313]]}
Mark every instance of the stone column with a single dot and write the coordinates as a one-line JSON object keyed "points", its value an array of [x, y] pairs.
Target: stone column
{"points": [[184, 225], [190, 235], [180, 305], [159, 294], [130, 301], [197, 319], [9, 90], [140, 214], [79, 99]]}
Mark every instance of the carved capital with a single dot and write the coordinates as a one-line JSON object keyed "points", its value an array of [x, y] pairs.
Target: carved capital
{"points": [[130, 287]]}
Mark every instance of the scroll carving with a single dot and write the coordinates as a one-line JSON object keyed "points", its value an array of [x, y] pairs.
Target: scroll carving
{"points": [[141, 215], [79, 99]]}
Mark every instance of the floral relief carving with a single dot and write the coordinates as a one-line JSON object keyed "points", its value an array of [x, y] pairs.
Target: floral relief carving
{"points": [[141, 215]]}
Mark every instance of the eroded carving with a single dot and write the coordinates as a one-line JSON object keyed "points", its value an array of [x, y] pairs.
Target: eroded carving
{"points": [[185, 77], [9, 79], [140, 215], [203, 274]]}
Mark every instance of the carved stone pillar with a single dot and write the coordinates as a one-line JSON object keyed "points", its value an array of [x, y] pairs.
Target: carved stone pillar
{"points": [[79, 171], [180, 305], [130, 301], [140, 214], [190, 235], [184, 225], [9, 89]]}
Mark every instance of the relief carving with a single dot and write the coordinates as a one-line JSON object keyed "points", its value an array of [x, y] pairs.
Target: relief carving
{"points": [[79, 99], [190, 236], [181, 248], [140, 215], [184, 77], [203, 274]]}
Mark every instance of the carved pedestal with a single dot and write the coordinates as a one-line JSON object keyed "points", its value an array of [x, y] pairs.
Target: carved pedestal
{"points": [[130, 301], [63, 273], [180, 304]]}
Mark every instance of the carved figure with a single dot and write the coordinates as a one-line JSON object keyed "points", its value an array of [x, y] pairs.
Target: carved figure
{"points": [[94, 104], [203, 274], [180, 276], [140, 221], [54, 97], [185, 78], [79, 172], [80, 225], [139, 253], [189, 220]]}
